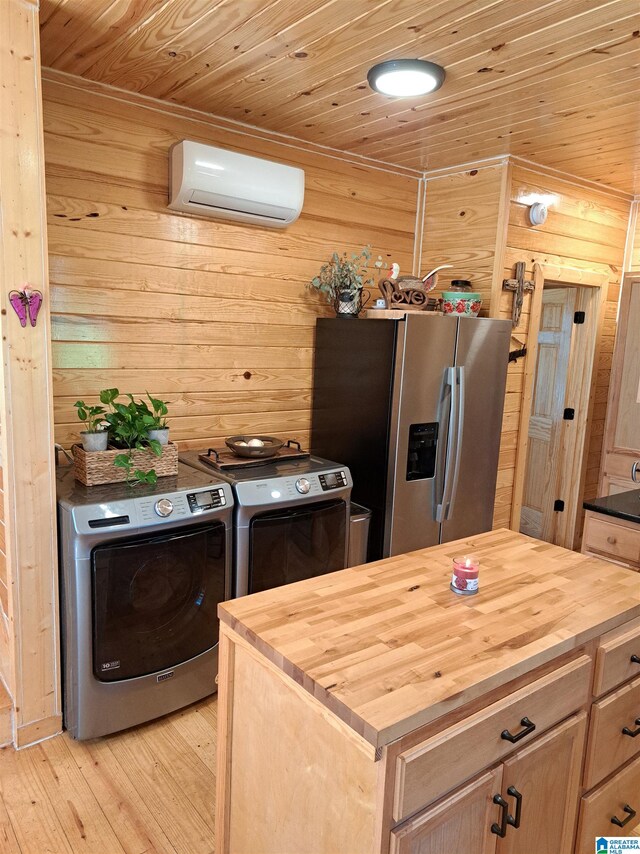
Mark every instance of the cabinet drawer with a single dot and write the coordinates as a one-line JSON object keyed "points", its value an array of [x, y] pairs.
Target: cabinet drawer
{"points": [[445, 760], [612, 539], [609, 801], [615, 658], [609, 746]]}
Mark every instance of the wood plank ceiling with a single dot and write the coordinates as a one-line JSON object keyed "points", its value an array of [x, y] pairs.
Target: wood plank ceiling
{"points": [[555, 81]]}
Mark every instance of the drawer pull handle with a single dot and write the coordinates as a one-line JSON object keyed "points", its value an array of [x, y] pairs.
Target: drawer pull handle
{"points": [[631, 813], [635, 659], [518, 796], [612, 541], [528, 727], [501, 829], [632, 732]]}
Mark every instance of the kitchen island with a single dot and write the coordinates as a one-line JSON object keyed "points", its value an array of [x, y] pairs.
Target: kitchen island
{"points": [[374, 710]]}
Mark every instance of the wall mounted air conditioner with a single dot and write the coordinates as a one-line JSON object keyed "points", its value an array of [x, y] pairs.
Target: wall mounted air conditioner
{"points": [[214, 182]]}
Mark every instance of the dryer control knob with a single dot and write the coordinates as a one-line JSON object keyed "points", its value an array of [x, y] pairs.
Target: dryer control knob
{"points": [[164, 507], [303, 485]]}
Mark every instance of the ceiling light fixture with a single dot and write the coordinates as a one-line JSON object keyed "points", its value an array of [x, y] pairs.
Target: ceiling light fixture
{"points": [[406, 78]]}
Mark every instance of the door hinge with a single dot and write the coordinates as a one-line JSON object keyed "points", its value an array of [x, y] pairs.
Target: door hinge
{"points": [[569, 414], [578, 317], [558, 505]]}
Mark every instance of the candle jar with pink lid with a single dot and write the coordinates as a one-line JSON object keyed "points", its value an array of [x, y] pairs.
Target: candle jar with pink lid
{"points": [[465, 575]]}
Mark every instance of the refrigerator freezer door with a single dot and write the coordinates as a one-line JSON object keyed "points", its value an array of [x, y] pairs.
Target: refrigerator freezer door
{"points": [[424, 362], [482, 355]]}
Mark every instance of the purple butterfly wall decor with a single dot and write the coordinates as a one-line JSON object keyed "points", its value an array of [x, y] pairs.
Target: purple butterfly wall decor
{"points": [[26, 303]]}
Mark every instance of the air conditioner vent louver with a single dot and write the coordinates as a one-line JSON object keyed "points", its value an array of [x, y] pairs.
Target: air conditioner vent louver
{"points": [[214, 182]]}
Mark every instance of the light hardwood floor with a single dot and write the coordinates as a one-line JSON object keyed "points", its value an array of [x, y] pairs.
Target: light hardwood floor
{"points": [[149, 790]]}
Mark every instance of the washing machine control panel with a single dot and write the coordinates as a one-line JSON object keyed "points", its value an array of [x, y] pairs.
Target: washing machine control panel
{"points": [[207, 499], [333, 480]]}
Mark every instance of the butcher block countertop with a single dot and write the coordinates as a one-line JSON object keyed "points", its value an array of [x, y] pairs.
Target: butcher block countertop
{"points": [[388, 647]]}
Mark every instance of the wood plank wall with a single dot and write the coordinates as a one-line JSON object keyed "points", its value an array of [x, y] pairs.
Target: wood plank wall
{"points": [[586, 230], [461, 223], [211, 316], [476, 219]]}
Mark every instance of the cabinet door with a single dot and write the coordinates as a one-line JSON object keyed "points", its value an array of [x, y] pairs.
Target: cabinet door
{"points": [[459, 823], [545, 777]]}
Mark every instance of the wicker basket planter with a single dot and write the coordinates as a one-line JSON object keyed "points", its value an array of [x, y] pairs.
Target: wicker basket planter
{"points": [[97, 467]]}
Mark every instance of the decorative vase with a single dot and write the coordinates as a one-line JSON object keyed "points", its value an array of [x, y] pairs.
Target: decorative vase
{"points": [[95, 440], [161, 435], [350, 303]]}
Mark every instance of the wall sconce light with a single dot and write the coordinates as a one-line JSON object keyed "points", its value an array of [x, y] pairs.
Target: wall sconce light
{"points": [[538, 214]]}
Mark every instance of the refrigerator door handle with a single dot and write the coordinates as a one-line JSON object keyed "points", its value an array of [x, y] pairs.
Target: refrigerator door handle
{"points": [[458, 442], [441, 510]]}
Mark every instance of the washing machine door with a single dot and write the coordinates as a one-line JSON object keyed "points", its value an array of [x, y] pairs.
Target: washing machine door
{"points": [[155, 600], [298, 543]]}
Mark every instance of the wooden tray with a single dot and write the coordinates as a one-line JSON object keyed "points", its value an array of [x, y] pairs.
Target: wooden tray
{"points": [[227, 460], [97, 467]]}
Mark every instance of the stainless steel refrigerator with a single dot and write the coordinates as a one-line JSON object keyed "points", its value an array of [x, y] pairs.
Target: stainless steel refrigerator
{"points": [[414, 407]]}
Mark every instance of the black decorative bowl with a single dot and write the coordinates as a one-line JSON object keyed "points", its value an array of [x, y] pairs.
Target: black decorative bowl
{"points": [[269, 448]]}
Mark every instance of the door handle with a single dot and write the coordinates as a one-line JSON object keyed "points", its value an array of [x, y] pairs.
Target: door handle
{"points": [[460, 389], [501, 829], [632, 732], [631, 813], [634, 471], [441, 510], [515, 822], [528, 727]]}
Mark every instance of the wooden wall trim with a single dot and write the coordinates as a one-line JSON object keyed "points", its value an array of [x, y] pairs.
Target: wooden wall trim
{"points": [[421, 204], [501, 239], [229, 125], [632, 237], [27, 407], [527, 393]]}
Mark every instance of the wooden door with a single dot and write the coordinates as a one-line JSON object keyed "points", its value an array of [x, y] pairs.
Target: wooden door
{"points": [[547, 408], [622, 431], [459, 823], [546, 779]]}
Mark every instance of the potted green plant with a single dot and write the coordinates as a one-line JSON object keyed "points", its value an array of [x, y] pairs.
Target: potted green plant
{"points": [[129, 425], [342, 279], [96, 436], [156, 420]]}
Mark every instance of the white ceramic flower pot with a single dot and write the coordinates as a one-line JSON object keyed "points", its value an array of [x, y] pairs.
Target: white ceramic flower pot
{"points": [[96, 441], [161, 436]]}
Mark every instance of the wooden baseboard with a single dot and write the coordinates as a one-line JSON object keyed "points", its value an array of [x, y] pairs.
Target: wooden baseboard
{"points": [[38, 730]]}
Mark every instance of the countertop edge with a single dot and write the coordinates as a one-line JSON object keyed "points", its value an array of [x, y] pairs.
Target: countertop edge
{"points": [[472, 692]]}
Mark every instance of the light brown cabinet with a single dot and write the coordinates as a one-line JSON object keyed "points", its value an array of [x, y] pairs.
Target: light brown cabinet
{"points": [[621, 450], [611, 538], [529, 803], [545, 779], [610, 805], [460, 822]]}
